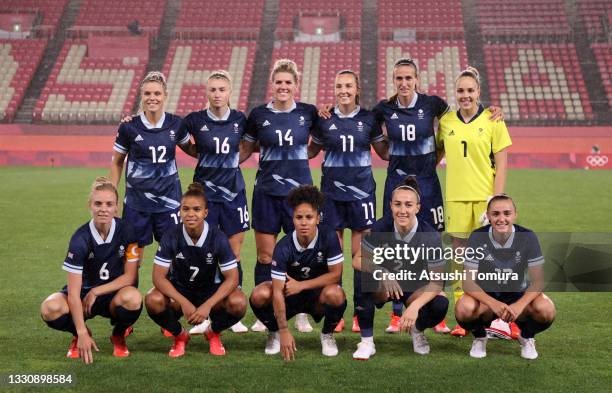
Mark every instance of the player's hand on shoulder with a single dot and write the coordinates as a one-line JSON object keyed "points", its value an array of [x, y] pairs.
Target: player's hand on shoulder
{"points": [[324, 111], [287, 343], [496, 113], [127, 118]]}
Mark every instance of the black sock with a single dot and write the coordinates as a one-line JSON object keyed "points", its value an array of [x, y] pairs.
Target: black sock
{"points": [[476, 327], [239, 274], [356, 290], [365, 315], [333, 315], [266, 316], [530, 327], [263, 272], [397, 307], [63, 323], [221, 320], [168, 320], [123, 319], [432, 313]]}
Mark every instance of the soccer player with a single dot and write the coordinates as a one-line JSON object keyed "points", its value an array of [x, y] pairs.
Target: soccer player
{"points": [[217, 132], [475, 148], [282, 129], [149, 141], [511, 249], [347, 181], [425, 306], [196, 275], [101, 264], [306, 271]]}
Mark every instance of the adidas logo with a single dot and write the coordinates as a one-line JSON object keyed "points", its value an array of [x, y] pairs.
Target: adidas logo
{"points": [[333, 127], [245, 226], [369, 222], [451, 133], [180, 256], [394, 116], [265, 123], [489, 258], [139, 138], [204, 128]]}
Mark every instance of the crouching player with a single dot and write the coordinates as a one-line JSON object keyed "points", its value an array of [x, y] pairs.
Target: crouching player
{"points": [[102, 262], [425, 306], [514, 251], [196, 275], [306, 271]]}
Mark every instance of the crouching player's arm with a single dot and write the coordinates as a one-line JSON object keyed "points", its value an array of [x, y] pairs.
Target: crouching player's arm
{"points": [[471, 288], [85, 341], [287, 341], [293, 287], [161, 282], [230, 283], [536, 278], [425, 295]]}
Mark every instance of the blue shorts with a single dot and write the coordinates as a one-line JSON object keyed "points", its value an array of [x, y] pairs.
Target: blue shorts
{"points": [[506, 297], [196, 298], [146, 225], [304, 302], [271, 213], [356, 215], [432, 207], [102, 304], [231, 217]]}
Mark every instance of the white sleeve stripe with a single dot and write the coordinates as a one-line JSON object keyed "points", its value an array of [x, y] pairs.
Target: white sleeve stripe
{"points": [[119, 149], [535, 259], [332, 259], [249, 138], [225, 268], [281, 278], [163, 259], [378, 139], [184, 140], [331, 263], [441, 262], [536, 263], [73, 266], [161, 263], [71, 270], [229, 263], [316, 140]]}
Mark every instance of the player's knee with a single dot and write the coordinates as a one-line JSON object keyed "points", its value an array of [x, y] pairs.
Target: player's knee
{"points": [[154, 301], [264, 257], [466, 309], [129, 298], [53, 308], [236, 303], [333, 295], [543, 309], [261, 295]]}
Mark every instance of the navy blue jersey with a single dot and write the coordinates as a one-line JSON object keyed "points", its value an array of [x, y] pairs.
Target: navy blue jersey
{"points": [[347, 164], [283, 146], [412, 144], [99, 261], [521, 251], [196, 267], [218, 144], [151, 176], [300, 263]]}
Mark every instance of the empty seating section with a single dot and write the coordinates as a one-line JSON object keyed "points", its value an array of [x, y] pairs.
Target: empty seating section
{"points": [[318, 64], [349, 11], [434, 17], [439, 64], [603, 55], [210, 19], [18, 61], [189, 63], [597, 16], [119, 13], [80, 89], [523, 18], [537, 81], [49, 11]]}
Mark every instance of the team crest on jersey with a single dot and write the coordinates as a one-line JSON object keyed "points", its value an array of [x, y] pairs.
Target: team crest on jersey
{"points": [[394, 116], [172, 135], [302, 121], [138, 138], [420, 114], [360, 126], [204, 128], [319, 257], [480, 130], [517, 257], [121, 251], [235, 128], [70, 255], [333, 127], [209, 259], [265, 123]]}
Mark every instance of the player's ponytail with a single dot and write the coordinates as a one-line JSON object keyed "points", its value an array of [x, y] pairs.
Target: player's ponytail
{"points": [[470, 72], [409, 183], [285, 65], [306, 194], [103, 183], [354, 74], [196, 190]]}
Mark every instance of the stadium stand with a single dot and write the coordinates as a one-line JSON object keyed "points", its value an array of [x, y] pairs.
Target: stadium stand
{"points": [[48, 12], [435, 18], [319, 64], [236, 19], [546, 18], [18, 61], [113, 16], [290, 10], [597, 17], [439, 63], [603, 55], [83, 89], [189, 64], [537, 81]]}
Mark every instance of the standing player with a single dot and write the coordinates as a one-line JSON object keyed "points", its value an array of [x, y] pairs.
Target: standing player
{"points": [[508, 248], [476, 158], [195, 275], [347, 180], [282, 128], [425, 306], [149, 141], [102, 266], [306, 271], [217, 132]]}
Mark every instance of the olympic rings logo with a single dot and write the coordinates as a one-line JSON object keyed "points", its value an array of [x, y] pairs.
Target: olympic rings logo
{"points": [[597, 160]]}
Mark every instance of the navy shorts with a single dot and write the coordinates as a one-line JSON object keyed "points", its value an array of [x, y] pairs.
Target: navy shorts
{"points": [[432, 207], [304, 302], [271, 213], [506, 297], [102, 304], [356, 215], [146, 225], [196, 298], [231, 217]]}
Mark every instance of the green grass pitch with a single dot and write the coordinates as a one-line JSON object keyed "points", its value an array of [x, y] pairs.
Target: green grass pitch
{"points": [[41, 208]]}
